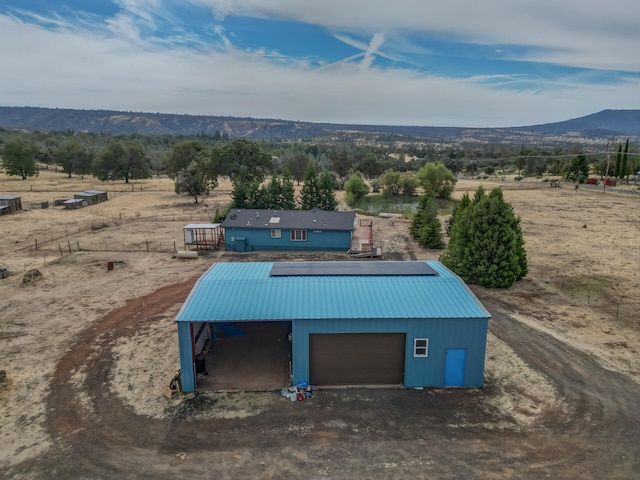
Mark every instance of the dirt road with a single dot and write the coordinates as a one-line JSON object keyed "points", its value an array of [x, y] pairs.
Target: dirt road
{"points": [[339, 433]]}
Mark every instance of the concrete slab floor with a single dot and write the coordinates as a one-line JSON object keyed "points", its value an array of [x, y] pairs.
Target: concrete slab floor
{"points": [[258, 360]]}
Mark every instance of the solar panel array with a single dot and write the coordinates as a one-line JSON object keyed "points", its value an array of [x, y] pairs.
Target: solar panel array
{"points": [[360, 269]]}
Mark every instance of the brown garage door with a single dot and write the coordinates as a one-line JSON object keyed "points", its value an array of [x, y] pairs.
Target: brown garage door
{"points": [[356, 358]]}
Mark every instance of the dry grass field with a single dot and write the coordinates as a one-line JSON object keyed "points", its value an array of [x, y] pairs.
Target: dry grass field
{"points": [[582, 290]]}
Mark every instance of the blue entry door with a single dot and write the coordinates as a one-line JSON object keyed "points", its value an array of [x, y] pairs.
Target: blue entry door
{"points": [[454, 367]]}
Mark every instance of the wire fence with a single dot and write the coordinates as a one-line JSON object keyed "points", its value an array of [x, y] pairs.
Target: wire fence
{"points": [[69, 247], [67, 236], [582, 290]]}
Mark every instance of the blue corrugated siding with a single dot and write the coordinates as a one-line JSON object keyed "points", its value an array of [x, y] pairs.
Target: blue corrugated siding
{"points": [[470, 334], [440, 308], [261, 240], [186, 357]]}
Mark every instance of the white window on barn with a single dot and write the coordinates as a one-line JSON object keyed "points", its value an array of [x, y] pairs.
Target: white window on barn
{"points": [[276, 233], [298, 235], [420, 347]]}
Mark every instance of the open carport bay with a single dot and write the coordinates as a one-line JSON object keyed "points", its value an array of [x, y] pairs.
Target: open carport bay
{"points": [[248, 356]]}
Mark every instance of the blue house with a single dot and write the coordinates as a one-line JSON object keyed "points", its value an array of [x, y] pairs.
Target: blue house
{"points": [[260, 229], [411, 324]]}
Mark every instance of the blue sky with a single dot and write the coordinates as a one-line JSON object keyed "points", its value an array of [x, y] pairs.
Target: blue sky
{"points": [[468, 63]]}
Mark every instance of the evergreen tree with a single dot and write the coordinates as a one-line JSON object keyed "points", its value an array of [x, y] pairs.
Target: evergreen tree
{"points": [[287, 191], [426, 226], [456, 256], [623, 166], [460, 205], [616, 169], [578, 169], [310, 192], [240, 194], [257, 195], [273, 192], [326, 193], [486, 244]]}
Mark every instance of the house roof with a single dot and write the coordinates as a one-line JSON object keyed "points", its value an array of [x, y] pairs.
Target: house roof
{"points": [[247, 291], [206, 226], [87, 194], [9, 197], [314, 219]]}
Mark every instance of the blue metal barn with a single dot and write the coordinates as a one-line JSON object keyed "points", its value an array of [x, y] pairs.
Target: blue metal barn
{"points": [[247, 230], [414, 324]]}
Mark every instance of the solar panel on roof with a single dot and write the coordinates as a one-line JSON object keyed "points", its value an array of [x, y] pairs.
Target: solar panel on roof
{"points": [[306, 269]]}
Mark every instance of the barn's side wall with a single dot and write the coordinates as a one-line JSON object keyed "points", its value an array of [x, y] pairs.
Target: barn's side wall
{"points": [[187, 367], [258, 239], [467, 333]]}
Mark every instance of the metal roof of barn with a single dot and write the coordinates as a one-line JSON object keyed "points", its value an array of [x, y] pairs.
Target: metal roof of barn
{"points": [[314, 219], [247, 292]]}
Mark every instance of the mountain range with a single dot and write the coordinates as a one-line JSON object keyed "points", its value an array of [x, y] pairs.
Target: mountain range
{"points": [[595, 128]]}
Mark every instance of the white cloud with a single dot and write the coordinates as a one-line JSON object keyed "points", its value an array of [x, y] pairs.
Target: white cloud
{"points": [[83, 69], [579, 33]]}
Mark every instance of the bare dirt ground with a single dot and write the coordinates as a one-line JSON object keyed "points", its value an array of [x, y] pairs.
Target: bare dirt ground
{"points": [[86, 350]]}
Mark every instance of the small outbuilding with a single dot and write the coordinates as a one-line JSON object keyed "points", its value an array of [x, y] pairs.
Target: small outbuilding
{"points": [[246, 230], [203, 236], [411, 324], [74, 203], [92, 196], [10, 203]]}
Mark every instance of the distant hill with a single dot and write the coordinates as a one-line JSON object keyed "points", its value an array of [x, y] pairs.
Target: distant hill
{"points": [[597, 126], [619, 122]]}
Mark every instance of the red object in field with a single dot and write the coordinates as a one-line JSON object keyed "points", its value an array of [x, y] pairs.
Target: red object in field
{"points": [[592, 181], [300, 397], [610, 182]]}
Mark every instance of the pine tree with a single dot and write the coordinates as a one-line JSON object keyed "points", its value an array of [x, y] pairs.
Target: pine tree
{"points": [[273, 192], [426, 226], [623, 166], [464, 202], [326, 193], [287, 192], [486, 244], [309, 194], [616, 169]]}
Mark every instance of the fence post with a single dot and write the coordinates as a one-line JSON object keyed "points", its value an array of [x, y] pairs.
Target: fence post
{"points": [[36, 244], [147, 245], [562, 288], [541, 270], [588, 295], [60, 248], [617, 308], [174, 247], [69, 245]]}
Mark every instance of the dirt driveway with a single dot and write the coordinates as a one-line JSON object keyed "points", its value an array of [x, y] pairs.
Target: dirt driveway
{"points": [[351, 433], [86, 350]]}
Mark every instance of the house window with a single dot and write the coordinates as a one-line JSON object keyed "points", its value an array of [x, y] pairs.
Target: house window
{"points": [[420, 347], [276, 233], [298, 235]]}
